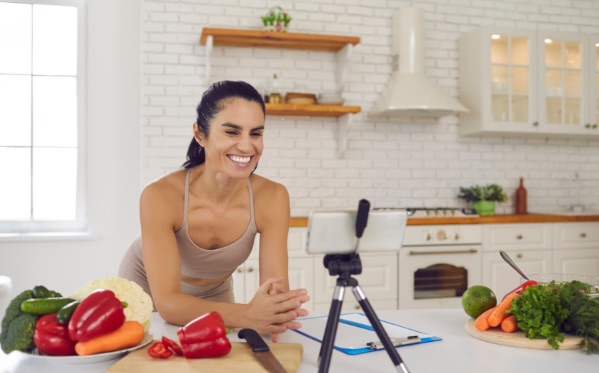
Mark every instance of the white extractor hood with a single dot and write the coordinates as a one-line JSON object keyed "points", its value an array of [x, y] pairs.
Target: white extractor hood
{"points": [[410, 93]]}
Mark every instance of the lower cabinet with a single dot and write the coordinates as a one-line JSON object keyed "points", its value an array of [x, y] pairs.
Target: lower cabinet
{"points": [[378, 281], [501, 278], [576, 248], [535, 247]]}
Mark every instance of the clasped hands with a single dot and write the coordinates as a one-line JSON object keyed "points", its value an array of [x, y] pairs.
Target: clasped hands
{"points": [[273, 310]]}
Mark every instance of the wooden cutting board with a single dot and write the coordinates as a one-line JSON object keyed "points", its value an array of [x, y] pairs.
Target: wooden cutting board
{"points": [[240, 360], [519, 339]]}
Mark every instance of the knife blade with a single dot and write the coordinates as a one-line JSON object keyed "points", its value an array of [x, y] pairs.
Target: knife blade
{"points": [[261, 351]]}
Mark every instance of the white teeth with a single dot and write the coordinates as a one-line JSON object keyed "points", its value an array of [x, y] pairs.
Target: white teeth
{"points": [[239, 159]]}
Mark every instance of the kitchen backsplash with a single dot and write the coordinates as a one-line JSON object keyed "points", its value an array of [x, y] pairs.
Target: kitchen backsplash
{"points": [[391, 161]]}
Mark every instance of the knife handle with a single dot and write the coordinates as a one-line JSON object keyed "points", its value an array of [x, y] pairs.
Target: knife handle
{"points": [[254, 340]]}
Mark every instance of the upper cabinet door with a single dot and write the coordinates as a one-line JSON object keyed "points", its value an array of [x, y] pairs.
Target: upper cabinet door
{"points": [[562, 93], [592, 118], [528, 82], [498, 81], [512, 83]]}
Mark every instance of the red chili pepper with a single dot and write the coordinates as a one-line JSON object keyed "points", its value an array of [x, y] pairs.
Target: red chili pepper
{"points": [[98, 313], [522, 287], [52, 338], [205, 336], [159, 351], [172, 345]]}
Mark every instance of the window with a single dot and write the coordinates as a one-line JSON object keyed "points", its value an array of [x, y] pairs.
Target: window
{"points": [[41, 116]]}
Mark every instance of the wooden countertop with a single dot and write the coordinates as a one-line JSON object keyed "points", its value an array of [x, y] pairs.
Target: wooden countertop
{"points": [[494, 219]]}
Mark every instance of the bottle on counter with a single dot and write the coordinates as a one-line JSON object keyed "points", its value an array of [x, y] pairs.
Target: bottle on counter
{"points": [[275, 96], [521, 205]]}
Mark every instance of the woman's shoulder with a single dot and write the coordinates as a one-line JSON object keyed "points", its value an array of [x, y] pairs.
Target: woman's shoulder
{"points": [[171, 185], [262, 186]]}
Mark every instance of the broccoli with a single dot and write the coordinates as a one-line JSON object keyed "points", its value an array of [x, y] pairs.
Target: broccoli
{"points": [[13, 312], [19, 334]]}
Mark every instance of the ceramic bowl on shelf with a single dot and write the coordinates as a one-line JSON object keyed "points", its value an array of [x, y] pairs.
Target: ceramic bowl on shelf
{"points": [[330, 98]]}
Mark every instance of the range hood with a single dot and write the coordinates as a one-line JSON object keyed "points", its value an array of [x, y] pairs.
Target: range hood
{"points": [[410, 93]]}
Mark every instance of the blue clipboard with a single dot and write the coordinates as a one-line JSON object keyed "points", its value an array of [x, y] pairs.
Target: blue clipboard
{"points": [[355, 334]]}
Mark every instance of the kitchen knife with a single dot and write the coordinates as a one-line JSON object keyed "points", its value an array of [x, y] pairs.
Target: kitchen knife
{"points": [[261, 351]]}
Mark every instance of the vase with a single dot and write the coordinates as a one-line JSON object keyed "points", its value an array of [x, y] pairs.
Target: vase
{"points": [[484, 207]]}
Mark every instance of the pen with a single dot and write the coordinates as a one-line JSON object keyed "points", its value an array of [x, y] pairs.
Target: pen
{"points": [[395, 341]]}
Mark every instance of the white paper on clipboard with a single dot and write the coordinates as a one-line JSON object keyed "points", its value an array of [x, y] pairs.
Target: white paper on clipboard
{"points": [[354, 332]]}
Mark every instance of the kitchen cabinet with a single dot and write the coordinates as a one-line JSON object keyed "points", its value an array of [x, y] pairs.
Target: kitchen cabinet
{"points": [[378, 281], [529, 245], [246, 278], [576, 248], [342, 45], [528, 82]]}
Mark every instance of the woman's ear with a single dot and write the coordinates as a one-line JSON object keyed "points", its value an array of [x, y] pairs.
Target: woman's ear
{"points": [[198, 135]]}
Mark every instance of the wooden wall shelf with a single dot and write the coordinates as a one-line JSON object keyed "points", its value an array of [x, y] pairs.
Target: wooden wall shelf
{"points": [[281, 40], [311, 110]]}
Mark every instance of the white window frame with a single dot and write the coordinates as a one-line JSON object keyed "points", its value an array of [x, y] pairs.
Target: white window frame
{"points": [[79, 224]]}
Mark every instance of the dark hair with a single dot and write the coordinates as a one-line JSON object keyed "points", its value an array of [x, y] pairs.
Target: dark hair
{"points": [[213, 101]]}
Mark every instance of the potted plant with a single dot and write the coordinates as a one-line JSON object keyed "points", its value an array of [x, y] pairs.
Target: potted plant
{"points": [[483, 198]]}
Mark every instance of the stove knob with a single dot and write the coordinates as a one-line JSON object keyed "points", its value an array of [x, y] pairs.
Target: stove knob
{"points": [[441, 235]]}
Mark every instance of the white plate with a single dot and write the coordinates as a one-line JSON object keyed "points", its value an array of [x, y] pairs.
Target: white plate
{"points": [[96, 358]]}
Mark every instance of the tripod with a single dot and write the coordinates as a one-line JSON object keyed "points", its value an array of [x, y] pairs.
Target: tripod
{"points": [[344, 266]]}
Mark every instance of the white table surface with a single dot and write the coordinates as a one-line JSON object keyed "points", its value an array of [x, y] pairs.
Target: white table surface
{"points": [[457, 352]]}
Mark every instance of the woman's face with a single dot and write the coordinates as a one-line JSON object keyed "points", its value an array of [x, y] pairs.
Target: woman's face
{"points": [[234, 143]]}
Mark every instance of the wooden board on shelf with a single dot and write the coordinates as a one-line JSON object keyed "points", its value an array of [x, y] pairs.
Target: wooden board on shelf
{"points": [[281, 40], [311, 110]]}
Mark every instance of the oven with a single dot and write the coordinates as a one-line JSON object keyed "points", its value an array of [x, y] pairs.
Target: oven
{"points": [[437, 263]]}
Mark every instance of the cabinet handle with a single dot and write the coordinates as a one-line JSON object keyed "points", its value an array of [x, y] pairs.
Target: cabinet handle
{"points": [[594, 125], [588, 125], [457, 236], [251, 269], [519, 256], [583, 235], [519, 237], [428, 237], [469, 251], [239, 270], [357, 306], [535, 124]]}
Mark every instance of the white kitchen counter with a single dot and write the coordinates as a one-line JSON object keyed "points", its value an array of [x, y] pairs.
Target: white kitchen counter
{"points": [[457, 352]]}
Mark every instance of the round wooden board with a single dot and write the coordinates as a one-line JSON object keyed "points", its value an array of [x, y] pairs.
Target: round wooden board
{"points": [[518, 339]]}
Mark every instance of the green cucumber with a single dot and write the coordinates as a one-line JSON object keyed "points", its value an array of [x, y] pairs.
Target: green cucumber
{"points": [[64, 314], [44, 306]]}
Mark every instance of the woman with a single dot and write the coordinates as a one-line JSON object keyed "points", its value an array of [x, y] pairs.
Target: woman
{"points": [[198, 224]]}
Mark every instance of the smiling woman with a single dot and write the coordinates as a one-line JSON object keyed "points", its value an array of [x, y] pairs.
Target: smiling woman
{"points": [[199, 223]]}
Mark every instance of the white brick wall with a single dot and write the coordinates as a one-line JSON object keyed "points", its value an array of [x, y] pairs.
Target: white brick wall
{"points": [[390, 162]]}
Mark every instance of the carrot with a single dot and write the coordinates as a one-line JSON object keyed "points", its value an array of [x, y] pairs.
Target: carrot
{"points": [[128, 335], [509, 324], [482, 322], [499, 313]]}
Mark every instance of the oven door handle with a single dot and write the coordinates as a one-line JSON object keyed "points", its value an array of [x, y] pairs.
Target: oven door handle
{"points": [[469, 251]]}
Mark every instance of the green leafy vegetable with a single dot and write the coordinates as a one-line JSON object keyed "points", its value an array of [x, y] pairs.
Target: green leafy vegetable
{"points": [[549, 311]]}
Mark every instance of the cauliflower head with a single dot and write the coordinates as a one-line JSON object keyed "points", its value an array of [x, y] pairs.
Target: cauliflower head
{"points": [[139, 304]]}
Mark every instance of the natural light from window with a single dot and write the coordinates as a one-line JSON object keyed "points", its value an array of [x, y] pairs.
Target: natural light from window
{"points": [[38, 112]]}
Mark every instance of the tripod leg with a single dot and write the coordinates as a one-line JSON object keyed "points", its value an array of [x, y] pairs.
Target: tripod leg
{"points": [[328, 339], [380, 330]]}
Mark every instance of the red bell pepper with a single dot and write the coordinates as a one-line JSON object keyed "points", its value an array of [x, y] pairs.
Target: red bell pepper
{"points": [[159, 351], [205, 336], [99, 313], [52, 338], [522, 287], [172, 345]]}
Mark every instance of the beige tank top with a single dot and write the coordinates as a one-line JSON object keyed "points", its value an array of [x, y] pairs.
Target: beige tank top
{"points": [[216, 263]]}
